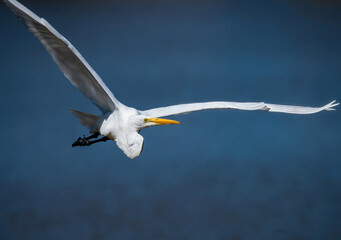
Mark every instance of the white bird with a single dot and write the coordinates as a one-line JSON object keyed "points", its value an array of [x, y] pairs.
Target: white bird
{"points": [[119, 122]]}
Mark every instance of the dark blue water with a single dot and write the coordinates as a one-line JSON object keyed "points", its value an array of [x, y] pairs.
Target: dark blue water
{"points": [[218, 175]]}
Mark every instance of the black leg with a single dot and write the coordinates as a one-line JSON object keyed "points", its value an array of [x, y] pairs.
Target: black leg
{"points": [[103, 139], [84, 141], [95, 135]]}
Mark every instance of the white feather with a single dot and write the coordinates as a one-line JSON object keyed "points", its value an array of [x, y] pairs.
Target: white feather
{"points": [[191, 107], [69, 60]]}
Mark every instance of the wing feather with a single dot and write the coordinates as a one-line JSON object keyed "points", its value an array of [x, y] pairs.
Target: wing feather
{"points": [[191, 107], [299, 109], [68, 59]]}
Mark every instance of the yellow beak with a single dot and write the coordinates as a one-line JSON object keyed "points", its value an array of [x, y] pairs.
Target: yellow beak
{"points": [[160, 121]]}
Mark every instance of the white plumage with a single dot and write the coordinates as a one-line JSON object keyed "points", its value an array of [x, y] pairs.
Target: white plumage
{"points": [[119, 122]]}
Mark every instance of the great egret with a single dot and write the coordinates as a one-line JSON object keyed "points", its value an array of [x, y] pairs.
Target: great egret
{"points": [[119, 122]]}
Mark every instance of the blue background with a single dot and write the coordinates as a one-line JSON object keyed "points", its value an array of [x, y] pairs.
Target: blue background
{"points": [[218, 175]]}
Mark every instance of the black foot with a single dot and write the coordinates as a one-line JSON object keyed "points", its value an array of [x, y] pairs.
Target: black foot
{"points": [[84, 141], [81, 142]]}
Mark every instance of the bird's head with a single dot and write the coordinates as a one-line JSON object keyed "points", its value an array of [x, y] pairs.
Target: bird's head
{"points": [[142, 121], [131, 143]]}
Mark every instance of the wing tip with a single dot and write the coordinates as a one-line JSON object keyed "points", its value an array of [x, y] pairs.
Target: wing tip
{"points": [[330, 106]]}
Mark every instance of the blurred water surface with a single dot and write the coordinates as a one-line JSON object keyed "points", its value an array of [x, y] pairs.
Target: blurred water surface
{"points": [[218, 175]]}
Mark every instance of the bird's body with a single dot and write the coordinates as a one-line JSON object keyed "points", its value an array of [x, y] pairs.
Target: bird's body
{"points": [[117, 121], [112, 124]]}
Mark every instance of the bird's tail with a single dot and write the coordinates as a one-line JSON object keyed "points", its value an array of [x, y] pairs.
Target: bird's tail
{"points": [[87, 120]]}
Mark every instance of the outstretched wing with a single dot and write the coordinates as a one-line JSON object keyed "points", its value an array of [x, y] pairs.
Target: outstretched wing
{"points": [[69, 60], [191, 107]]}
